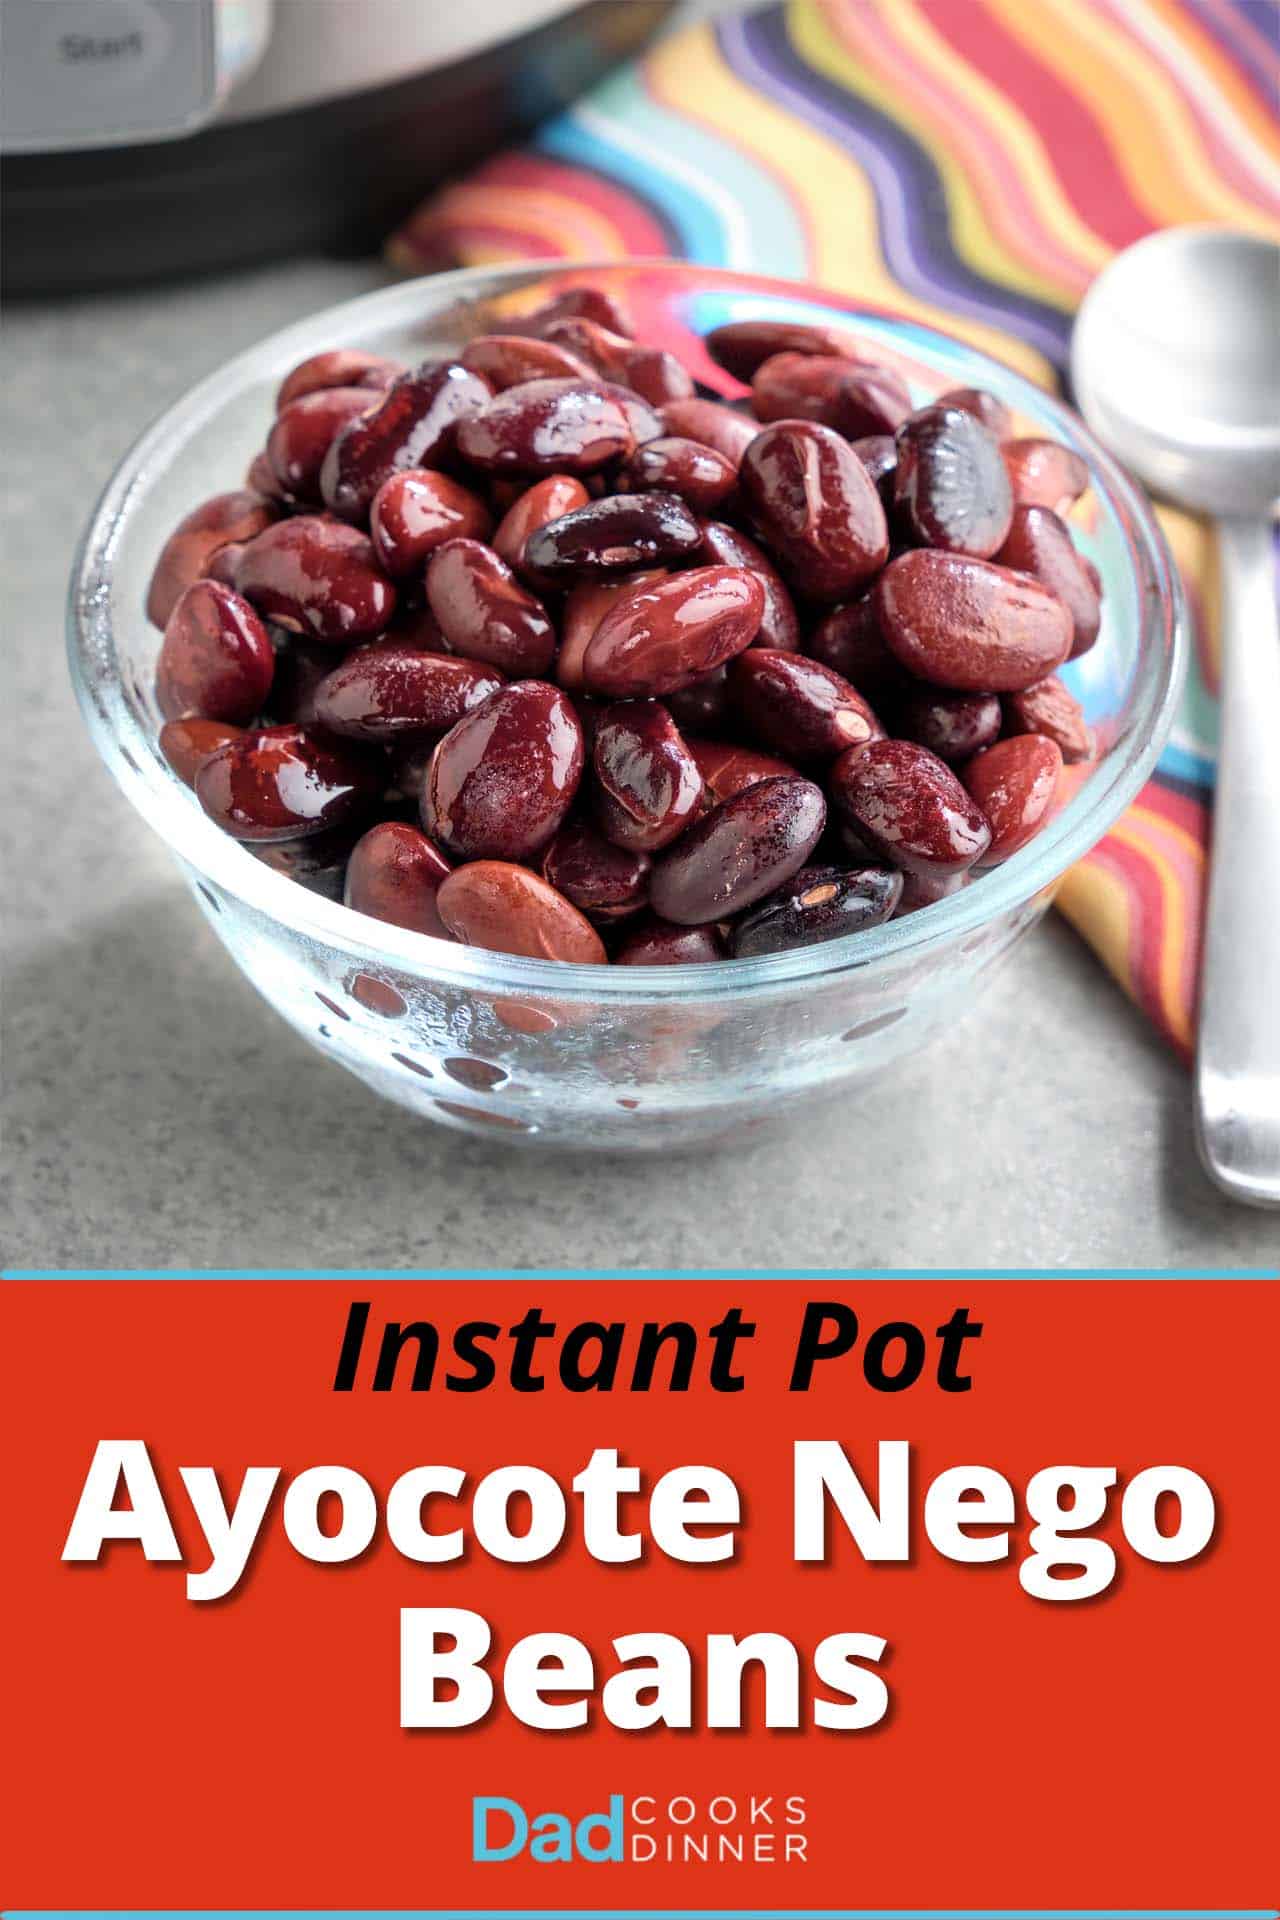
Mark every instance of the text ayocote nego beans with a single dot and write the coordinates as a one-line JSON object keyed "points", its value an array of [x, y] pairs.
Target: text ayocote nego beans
{"points": [[867, 1502]]}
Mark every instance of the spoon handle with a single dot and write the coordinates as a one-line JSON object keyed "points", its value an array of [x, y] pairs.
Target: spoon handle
{"points": [[1238, 1057]]}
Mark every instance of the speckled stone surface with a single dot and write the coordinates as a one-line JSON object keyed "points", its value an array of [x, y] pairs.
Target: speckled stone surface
{"points": [[157, 1113]]}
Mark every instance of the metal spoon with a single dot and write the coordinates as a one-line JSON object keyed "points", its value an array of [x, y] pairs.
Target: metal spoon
{"points": [[1176, 365]]}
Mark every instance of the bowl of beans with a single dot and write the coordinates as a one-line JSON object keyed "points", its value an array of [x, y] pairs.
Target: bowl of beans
{"points": [[613, 706]]}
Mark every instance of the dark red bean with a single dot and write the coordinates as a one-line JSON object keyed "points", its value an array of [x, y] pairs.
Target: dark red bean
{"points": [[984, 406], [617, 534], [415, 512], [878, 453], [318, 863], [820, 903], [727, 768], [909, 806], [602, 349], [216, 660], [415, 424], [502, 780], [304, 431], [798, 706], [279, 783], [507, 909], [316, 577], [342, 367], [648, 774], [394, 874], [187, 744], [508, 359], [702, 706], [701, 476], [849, 641], [484, 612], [950, 485], [741, 346], [853, 400], [666, 636], [815, 507], [712, 424], [656, 375], [739, 852], [1044, 473], [1048, 708], [968, 624], [1015, 783], [604, 881], [299, 671], [1040, 544], [925, 889], [952, 725], [724, 546], [385, 692], [548, 499], [547, 426], [215, 523], [660, 943], [580, 303], [261, 478], [584, 608]]}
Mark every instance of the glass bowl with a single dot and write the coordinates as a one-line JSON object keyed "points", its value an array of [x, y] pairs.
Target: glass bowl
{"points": [[612, 1057]]}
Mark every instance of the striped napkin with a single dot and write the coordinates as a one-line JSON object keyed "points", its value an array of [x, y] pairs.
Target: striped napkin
{"points": [[973, 163]]}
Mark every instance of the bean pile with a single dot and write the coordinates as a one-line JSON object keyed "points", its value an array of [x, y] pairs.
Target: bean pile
{"points": [[544, 650]]}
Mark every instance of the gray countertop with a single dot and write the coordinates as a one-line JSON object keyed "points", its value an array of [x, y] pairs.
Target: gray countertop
{"points": [[157, 1113]]}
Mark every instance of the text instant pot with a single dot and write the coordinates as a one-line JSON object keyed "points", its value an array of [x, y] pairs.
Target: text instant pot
{"points": [[847, 1498]]}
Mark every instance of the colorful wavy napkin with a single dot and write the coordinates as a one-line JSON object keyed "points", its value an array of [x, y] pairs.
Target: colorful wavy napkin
{"points": [[973, 163]]}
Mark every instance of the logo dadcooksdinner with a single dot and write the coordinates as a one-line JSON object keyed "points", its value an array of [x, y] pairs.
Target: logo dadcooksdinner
{"points": [[761, 1828]]}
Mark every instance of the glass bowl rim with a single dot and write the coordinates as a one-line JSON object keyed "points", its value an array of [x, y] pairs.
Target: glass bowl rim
{"points": [[157, 794]]}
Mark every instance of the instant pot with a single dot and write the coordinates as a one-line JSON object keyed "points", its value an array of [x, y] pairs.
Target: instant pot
{"points": [[146, 138]]}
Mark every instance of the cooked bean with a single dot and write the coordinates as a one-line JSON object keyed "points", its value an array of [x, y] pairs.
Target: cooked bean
{"points": [[485, 613], [923, 889], [602, 880], [665, 636], [385, 692], [952, 725], [507, 909], [849, 641], [740, 851], [703, 478], [415, 424], [1048, 708], [779, 627], [280, 783], [585, 606], [415, 512], [741, 346], [660, 943], [1015, 783], [304, 431], [187, 744], [968, 624], [547, 426], [950, 483], [909, 806], [702, 706], [603, 309], [617, 534], [712, 424], [799, 706], [815, 507], [503, 779], [299, 671], [853, 400], [342, 367], [216, 660], [394, 874], [318, 862], [215, 523], [1044, 473], [647, 772], [316, 577], [984, 406], [545, 500], [878, 453], [1040, 544], [508, 359], [819, 903], [727, 768]]}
